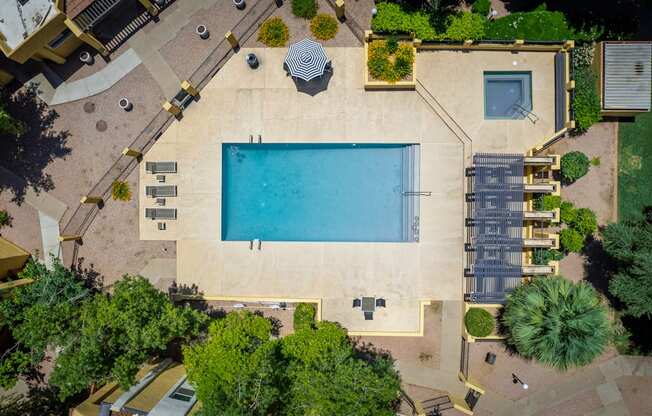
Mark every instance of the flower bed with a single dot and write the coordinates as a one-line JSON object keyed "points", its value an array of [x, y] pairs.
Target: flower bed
{"points": [[390, 63]]}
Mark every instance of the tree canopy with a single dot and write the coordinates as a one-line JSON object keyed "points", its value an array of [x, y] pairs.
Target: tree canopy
{"points": [[8, 124], [629, 244], [99, 337], [557, 322], [240, 370]]}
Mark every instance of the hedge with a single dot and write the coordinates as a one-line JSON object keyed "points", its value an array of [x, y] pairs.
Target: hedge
{"points": [[392, 19], [465, 26], [535, 25], [481, 7], [586, 101], [304, 316], [479, 322]]}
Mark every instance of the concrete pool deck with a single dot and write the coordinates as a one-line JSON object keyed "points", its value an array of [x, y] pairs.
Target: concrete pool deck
{"points": [[239, 101]]}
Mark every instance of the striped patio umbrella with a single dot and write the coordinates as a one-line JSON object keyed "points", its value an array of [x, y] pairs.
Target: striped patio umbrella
{"points": [[306, 59]]}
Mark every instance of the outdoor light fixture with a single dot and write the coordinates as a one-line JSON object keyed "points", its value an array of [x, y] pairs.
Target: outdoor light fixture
{"points": [[517, 380]]}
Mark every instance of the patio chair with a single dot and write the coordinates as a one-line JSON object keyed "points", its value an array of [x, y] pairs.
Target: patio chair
{"points": [[368, 316], [357, 303], [380, 303]]}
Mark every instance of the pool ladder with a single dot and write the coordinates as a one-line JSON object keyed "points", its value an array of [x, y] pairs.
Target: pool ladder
{"points": [[257, 242], [251, 138], [526, 113]]}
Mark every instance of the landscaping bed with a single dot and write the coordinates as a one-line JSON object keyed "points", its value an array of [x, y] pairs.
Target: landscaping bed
{"points": [[390, 63]]}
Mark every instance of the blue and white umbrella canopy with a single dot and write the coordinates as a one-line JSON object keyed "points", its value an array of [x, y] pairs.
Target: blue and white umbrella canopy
{"points": [[306, 59]]}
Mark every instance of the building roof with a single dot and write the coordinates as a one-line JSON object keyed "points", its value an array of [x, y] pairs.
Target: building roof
{"points": [[627, 78], [19, 19]]}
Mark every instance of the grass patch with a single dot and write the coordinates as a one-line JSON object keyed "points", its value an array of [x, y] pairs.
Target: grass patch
{"points": [[634, 167]]}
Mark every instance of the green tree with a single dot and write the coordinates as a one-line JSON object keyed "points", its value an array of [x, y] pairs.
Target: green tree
{"points": [[39, 314], [328, 378], [557, 322], [8, 124], [120, 332], [571, 240], [237, 371], [629, 244]]}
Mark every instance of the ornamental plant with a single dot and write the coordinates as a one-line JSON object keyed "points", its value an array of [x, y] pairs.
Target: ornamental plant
{"points": [[304, 316], [567, 212], [574, 165], [304, 8], [547, 202], [571, 240], [481, 7], [390, 67], [5, 218], [556, 322], [479, 322], [465, 26], [324, 26], [542, 256], [274, 32], [393, 19], [584, 222], [120, 191]]}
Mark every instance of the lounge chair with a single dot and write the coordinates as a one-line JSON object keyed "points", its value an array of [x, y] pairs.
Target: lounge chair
{"points": [[161, 213], [161, 167]]}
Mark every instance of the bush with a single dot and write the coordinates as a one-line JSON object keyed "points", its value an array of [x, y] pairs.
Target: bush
{"points": [[304, 8], [584, 222], [324, 26], [547, 202], [567, 212], [595, 161], [465, 26], [481, 7], [274, 32], [571, 240], [392, 19], [5, 218], [557, 322], [304, 316], [586, 101], [120, 191], [583, 55], [543, 256], [380, 65], [479, 322], [535, 25], [574, 165]]}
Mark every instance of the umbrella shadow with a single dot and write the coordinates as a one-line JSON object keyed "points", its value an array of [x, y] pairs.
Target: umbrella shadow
{"points": [[315, 85]]}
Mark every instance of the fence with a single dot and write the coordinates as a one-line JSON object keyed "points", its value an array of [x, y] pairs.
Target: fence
{"points": [[83, 216]]}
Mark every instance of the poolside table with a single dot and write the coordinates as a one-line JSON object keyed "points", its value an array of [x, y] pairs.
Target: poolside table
{"points": [[368, 304]]}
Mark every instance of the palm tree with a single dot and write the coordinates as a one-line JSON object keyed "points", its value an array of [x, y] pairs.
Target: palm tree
{"points": [[556, 322]]}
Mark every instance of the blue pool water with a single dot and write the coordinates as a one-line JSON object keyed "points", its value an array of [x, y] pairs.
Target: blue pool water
{"points": [[507, 95], [318, 192]]}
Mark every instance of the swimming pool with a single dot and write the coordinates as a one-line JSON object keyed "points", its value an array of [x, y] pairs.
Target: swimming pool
{"points": [[320, 192], [507, 95]]}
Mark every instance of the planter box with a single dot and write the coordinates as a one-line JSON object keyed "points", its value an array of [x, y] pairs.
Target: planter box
{"points": [[493, 310], [372, 84]]}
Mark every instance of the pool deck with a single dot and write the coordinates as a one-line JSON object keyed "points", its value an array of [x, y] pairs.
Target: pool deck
{"points": [[239, 102]]}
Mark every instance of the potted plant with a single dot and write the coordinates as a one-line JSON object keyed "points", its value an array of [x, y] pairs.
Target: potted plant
{"points": [[202, 31], [239, 4], [125, 104]]}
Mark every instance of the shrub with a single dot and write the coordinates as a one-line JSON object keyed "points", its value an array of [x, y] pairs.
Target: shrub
{"points": [[465, 26], [481, 7], [304, 316], [479, 322], [574, 165], [547, 202], [120, 191], [595, 161], [324, 26], [583, 55], [381, 66], [304, 8], [543, 256], [5, 218], [586, 101], [535, 25], [557, 322], [392, 19], [571, 240], [567, 212], [584, 222], [274, 32]]}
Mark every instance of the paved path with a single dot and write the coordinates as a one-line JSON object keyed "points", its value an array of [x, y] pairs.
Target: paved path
{"points": [[601, 379]]}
